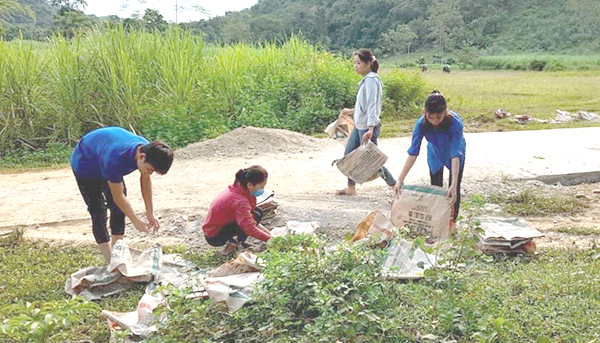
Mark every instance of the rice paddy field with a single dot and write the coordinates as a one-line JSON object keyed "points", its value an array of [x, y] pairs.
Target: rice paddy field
{"points": [[477, 94]]}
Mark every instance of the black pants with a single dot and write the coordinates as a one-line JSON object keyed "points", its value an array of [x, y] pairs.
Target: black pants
{"points": [[98, 198], [437, 179], [230, 231]]}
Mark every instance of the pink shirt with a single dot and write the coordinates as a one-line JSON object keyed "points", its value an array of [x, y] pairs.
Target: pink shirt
{"points": [[233, 205]]}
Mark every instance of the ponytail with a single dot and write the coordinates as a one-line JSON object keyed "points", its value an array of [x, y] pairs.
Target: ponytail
{"points": [[367, 56], [253, 175]]}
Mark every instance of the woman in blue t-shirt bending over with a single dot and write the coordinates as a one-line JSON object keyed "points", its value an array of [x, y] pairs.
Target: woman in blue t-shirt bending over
{"points": [[446, 146], [99, 161]]}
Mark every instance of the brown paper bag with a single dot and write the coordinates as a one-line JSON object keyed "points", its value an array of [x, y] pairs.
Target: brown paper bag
{"points": [[340, 129], [376, 226], [362, 164], [244, 263], [425, 210]]}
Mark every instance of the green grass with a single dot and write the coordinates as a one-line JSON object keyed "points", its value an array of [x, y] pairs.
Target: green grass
{"points": [[36, 272], [476, 95], [170, 86], [520, 61], [577, 230], [56, 155], [531, 202], [311, 296]]}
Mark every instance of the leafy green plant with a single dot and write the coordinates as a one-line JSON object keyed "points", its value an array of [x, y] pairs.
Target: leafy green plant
{"points": [[492, 330], [36, 322], [404, 93]]}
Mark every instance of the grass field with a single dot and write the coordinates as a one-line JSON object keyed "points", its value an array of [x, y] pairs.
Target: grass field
{"points": [[476, 95], [312, 296]]}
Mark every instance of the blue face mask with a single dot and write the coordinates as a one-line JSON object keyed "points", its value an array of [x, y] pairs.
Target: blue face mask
{"points": [[258, 192]]}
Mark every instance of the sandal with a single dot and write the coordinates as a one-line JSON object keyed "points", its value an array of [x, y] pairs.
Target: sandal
{"points": [[343, 192], [229, 250]]}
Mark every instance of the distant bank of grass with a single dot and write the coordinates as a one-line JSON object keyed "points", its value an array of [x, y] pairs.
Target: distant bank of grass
{"points": [[525, 61], [538, 62]]}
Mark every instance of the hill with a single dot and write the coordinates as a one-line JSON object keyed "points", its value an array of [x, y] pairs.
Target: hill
{"points": [[343, 25]]}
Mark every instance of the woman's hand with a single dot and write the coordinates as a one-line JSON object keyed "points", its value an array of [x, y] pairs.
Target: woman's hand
{"points": [[367, 136], [140, 225], [153, 222], [452, 194], [398, 188]]}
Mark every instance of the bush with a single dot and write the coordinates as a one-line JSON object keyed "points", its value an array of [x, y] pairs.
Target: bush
{"points": [[537, 65], [404, 93], [171, 86]]}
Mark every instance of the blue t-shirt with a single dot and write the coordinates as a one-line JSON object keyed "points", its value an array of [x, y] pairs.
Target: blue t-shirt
{"points": [[443, 142], [106, 153]]}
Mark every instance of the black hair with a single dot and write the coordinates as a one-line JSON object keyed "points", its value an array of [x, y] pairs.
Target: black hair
{"points": [[159, 155], [254, 175], [366, 55], [435, 102]]}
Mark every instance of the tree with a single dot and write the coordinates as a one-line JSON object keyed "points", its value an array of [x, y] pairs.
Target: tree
{"points": [[398, 39], [153, 20], [68, 21], [179, 5], [446, 21], [69, 4], [11, 7]]}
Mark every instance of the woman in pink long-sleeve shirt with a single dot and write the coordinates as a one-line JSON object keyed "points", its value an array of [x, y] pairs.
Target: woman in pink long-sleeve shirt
{"points": [[232, 216]]}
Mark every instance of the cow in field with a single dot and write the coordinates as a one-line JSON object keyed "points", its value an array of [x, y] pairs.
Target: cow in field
{"points": [[423, 67], [446, 69]]}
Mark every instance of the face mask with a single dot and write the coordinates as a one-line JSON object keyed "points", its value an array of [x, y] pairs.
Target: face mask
{"points": [[258, 192]]}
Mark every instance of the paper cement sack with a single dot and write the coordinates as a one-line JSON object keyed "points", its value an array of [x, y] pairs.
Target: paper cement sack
{"points": [[243, 263], [375, 227], [340, 129], [424, 209], [142, 321], [405, 262], [362, 164]]}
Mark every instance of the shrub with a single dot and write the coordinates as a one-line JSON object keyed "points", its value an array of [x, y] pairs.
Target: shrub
{"points": [[403, 94], [537, 65]]}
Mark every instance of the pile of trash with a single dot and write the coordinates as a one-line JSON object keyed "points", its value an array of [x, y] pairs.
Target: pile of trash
{"points": [[561, 117], [231, 283], [566, 117], [507, 236], [267, 205]]}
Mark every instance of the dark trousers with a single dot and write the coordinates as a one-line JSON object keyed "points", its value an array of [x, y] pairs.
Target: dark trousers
{"points": [[437, 179], [354, 142], [98, 198], [229, 232]]}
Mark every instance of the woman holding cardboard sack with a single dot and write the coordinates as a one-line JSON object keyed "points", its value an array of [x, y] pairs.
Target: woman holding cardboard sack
{"points": [[366, 111], [233, 216], [446, 146]]}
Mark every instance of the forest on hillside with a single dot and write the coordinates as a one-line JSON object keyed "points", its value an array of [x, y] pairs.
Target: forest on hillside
{"points": [[390, 26]]}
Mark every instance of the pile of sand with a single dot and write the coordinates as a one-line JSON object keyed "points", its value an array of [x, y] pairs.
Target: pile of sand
{"points": [[249, 141]]}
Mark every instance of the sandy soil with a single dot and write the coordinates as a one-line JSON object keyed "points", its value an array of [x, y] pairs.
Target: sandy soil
{"points": [[48, 204]]}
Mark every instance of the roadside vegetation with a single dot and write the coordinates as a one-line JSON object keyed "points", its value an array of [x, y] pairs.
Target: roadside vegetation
{"points": [[310, 295], [171, 86], [531, 202]]}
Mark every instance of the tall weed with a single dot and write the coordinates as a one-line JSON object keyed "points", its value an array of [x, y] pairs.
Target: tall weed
{"points": [[172, 86]]}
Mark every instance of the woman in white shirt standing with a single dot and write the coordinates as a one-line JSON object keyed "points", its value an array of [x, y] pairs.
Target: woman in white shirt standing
{"points": [[366, 111]]}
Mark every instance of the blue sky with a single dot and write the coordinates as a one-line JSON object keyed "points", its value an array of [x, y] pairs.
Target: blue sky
{"points": [[125, 8]]}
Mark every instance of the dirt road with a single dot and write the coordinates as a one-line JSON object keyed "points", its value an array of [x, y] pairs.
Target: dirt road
{"points": [[48, 204]]}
